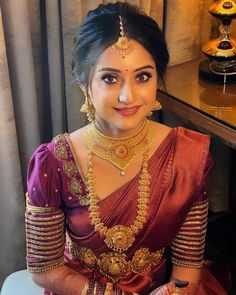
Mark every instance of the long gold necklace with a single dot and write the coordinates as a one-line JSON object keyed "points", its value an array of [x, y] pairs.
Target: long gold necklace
{"points": [[120, 152], [119, 237]]}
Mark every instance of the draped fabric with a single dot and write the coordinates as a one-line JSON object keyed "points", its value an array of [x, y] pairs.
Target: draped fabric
{"points": [[177, 187], [38, 98]]}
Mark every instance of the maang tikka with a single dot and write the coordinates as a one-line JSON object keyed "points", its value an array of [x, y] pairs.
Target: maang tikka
{"points": [[123, 45]]}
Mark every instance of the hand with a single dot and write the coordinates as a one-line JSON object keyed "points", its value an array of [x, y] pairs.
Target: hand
{"points": [[175, 287]]}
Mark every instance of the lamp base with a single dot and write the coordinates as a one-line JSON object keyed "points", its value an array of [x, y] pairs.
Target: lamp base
{"points": [[206, 74]]}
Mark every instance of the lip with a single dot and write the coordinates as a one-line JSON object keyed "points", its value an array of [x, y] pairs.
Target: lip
{"points": [[128, 111]]}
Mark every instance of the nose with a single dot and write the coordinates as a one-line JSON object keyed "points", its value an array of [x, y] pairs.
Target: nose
{"points": [[127, 95]]}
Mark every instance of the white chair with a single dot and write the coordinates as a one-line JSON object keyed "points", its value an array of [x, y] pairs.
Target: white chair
{"points": [[20, 283]]}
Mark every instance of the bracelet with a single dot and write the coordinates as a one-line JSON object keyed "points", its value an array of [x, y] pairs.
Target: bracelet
{"points": [[85, 289], [176, 292], [97, 288]]}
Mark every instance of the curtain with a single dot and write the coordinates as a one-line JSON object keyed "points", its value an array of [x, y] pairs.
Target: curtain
{"points": [[38, 98]]}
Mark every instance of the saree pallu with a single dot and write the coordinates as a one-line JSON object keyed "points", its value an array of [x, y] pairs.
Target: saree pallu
{"points": [[177, 214]]}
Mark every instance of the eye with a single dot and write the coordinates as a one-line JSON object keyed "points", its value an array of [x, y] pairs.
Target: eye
{"points": [[109, 79], [143, 77]]}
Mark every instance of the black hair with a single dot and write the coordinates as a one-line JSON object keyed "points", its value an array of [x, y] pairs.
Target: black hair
{"points": [[100, 30]]}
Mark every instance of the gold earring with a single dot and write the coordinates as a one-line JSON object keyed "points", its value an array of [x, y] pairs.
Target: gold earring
{"points": [[157, 106], [88, 108]]}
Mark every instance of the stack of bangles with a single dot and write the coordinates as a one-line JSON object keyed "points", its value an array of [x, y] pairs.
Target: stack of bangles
{"points": [[97, 288]]}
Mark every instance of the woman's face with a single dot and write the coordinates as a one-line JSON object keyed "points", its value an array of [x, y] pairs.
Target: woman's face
{"points": [[123, 90]]}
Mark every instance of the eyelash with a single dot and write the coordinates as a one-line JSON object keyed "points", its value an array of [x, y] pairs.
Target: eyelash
{"points": [[147, 74], [105, 78], [109, 76]]}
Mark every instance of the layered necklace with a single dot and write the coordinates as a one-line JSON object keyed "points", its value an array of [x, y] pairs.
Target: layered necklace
{"points": [[120, 152]]}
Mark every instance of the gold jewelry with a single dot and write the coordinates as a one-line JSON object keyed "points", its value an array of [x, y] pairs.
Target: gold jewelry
{"points": [[120, 152], [157, 106], [85, 289], [88, 108], [119, 237], [176, 292], [123, 45]]}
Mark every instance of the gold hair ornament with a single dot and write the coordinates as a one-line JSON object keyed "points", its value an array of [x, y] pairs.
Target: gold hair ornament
{"points": [[123, 45]]}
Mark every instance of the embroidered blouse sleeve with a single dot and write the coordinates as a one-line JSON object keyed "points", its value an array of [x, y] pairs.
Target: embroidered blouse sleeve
{"points": [[44, 217], [189, 244]]}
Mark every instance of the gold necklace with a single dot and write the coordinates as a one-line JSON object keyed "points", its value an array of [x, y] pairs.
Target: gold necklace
{"points": [[120, 152], [119, 237]]}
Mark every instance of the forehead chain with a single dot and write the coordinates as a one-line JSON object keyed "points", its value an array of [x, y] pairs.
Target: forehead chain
{"points": [[123, 45]]}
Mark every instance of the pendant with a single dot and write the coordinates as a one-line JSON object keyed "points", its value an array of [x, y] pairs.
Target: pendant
{"points": [[122, 173], [119, 238]]}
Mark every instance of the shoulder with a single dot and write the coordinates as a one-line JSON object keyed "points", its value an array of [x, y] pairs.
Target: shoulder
{"points": [[191, 143], [191, 151]]}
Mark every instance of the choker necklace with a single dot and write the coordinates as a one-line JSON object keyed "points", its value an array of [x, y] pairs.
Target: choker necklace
{"points": [[119, 237], [120, 152]]}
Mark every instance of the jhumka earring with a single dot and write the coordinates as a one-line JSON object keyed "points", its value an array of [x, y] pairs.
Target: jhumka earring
{"points": [[123, 45], [157, 106], [88, 107]]}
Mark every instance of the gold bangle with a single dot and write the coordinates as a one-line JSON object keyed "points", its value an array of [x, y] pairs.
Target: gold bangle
{"points": [[176, 292], [85, 289], [108, 289]]}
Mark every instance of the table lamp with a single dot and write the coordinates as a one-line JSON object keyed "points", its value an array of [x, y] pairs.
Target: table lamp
{"points": [[220, 67]]}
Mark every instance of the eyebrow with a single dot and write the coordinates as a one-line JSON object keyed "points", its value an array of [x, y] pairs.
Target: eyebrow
{"points": [[118, 71]]}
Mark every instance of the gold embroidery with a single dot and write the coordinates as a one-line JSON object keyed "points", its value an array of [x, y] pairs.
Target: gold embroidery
{"points": [[49, 233], [42, 217], [194, 227], [37, 209], [190, 234], [59, 222], [187, 242], [42, 246], [69, 168], [200, 206], [43, 229], [49, 243], [36, 252], [198, 237], [46, 262], [190, 257], [187, 264], [61, 152], [42, 269], [179, 246], [197, 217], [198, 213], [200, 222], [43, 257], [75, 187], [29, 236], [57, 139]]}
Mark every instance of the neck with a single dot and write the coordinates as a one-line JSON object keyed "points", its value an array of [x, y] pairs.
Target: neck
{"points": [[105, 130]]}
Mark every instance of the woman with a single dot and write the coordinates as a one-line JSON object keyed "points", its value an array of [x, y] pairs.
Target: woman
{"points": [[124, 194]]}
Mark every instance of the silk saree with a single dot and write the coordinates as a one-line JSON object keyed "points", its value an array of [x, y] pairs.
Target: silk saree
{"points": [[59, 230]]}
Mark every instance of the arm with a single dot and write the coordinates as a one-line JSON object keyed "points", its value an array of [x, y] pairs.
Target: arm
{"points": [[61, 280], [189, 244]]}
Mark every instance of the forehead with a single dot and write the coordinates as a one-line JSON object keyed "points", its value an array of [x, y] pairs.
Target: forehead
{"points": [[138, 57]]}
